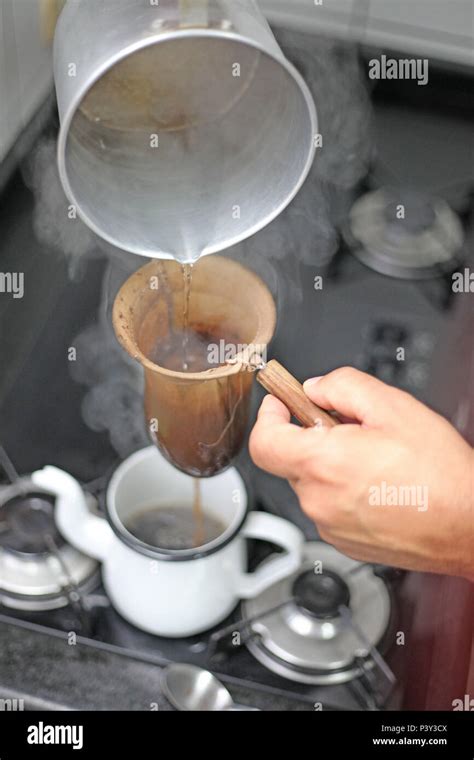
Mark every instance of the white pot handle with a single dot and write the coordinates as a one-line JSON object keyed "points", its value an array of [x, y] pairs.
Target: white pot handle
{"points": [[90, 534], [277, 531]]}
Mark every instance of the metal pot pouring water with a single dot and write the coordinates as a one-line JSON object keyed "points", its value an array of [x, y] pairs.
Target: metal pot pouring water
{"points": [[165, 148]]}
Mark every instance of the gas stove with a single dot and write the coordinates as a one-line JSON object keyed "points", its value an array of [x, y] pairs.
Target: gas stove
{"points": [[320, 637]]}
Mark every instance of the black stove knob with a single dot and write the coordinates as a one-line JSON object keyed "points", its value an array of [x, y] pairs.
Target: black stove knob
{"points": [[321, 594]]}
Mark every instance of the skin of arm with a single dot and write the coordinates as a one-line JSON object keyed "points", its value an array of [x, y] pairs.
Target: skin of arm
{"points": [[393, 485]]}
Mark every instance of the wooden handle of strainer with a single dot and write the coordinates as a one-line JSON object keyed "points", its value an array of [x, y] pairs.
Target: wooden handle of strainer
{"points": [[280, 383]]}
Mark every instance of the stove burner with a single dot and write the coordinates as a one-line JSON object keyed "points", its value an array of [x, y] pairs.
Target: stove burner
{"points": [[39, 570], [403, 233], [25, 523], [296, 629], [321, 594]]}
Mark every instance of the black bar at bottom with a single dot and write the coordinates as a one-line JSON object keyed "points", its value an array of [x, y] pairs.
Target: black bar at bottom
{"points": [[369, 734]]}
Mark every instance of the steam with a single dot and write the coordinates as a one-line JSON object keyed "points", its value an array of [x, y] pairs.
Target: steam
{"points": [[52, 223], [113, 383], [113, 401], [305, 233], [114, 404], [331, 70]]}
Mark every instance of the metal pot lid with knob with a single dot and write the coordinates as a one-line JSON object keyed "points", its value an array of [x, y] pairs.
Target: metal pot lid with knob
{"points": [[309, 639], [404, 233], [38, 569]]}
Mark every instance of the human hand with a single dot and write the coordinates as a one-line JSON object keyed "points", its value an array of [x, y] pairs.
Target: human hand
{"points": [[393, 486]]}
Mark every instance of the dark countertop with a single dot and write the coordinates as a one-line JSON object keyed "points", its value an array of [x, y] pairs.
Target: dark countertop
{"points": [[50, 673]]}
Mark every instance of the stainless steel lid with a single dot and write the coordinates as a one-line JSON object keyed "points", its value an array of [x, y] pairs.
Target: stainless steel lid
{"points": [[404, 233], [38, 569], [308, 640]]}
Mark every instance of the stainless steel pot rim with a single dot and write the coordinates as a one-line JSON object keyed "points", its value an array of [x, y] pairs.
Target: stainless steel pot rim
{"points": [[162, 37]]}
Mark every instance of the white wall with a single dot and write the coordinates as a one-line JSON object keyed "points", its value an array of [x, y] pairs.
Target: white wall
{"points": [[25, 67], [442, 29]]}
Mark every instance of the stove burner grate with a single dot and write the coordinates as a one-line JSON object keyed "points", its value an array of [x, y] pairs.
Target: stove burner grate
{"points": [[406, 234], [26, 524], [321, 627], [39, 570]]}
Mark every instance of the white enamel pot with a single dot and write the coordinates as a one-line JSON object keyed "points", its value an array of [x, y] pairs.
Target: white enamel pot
{"points": [[166, 592]]}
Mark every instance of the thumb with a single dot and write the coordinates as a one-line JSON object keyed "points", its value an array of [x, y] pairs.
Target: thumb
{"points": [[353, 394]]}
